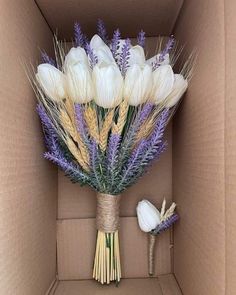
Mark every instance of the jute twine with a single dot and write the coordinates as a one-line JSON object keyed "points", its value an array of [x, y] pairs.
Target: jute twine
{"points": [[108, 212], [152, 241]]}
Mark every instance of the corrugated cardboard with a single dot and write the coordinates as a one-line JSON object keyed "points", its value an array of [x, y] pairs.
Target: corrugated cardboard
{"points": [[28, 184], [164, 285], [204, 159], [76, 247], [198, 155], [230, 145], [154, 17]]}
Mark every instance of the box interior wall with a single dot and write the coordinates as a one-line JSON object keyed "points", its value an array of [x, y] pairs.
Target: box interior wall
{"points": [[47, 232]]}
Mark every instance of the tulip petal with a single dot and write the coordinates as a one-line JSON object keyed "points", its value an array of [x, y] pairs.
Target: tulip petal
{"points": [[79, 83], [108, 85], [137, 86], [74, 56], [52, 81], [163, 81], [148, 216], [180, 86]]}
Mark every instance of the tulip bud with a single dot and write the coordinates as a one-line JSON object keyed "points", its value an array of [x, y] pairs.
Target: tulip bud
{"points": [[74, 56], [96, 42], [101, 50], [163, 81], [51, 80], [108, 85], [179, 87], [148, 216], [79, 83], [136, 56], [138, 83]]}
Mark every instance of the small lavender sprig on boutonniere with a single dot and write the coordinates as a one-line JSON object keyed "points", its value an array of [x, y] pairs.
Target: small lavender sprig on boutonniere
{"points": [[154, 222]]}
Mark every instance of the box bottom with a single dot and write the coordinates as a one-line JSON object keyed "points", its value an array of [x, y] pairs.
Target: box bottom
{"points": [[162, 285]]}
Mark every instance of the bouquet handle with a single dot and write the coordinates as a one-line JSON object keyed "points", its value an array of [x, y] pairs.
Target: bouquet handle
{"points": [[151, 256]]}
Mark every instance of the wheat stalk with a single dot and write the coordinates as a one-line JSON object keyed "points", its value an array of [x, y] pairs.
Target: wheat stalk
{"points": [[76, 153], [105, 129], [123, 111], [71, 129], [90, 117], [145, 130]]}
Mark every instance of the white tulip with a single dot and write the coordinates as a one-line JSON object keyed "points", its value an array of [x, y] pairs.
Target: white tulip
{"points": [[136, 56], [153, 59], [96, 42], [101, 50], [74, 56], [148, 216], [79, 83], [108, 85], [180, 86], [163, 81], [51, 80], [138, 84]]}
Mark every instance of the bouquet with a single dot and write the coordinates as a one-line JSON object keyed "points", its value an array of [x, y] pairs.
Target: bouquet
{"points": [[154, 222], [104, 109]]}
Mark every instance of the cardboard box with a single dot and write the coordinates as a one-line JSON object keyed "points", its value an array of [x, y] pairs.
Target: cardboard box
{"points": [[47, 233]]}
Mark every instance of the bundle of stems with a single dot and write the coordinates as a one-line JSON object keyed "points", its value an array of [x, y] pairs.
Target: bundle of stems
{"points": [[107, 266]]}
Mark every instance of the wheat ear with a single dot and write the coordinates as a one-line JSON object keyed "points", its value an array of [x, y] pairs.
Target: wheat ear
{"points": [[91, 121], [71, 129], [123, 111], [105, 129], [145, 130], [76, 153]]}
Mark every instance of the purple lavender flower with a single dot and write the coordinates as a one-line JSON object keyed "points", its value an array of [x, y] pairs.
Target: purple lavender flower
{"points": [[92, 57], [166, 224], [80, 38], [72, 171], [81, 125], [47, 59], [50, 135], [102, 32], [169, 45], [112, 157], [112, 150], [124, 57], [115, 42], [141, 38], [144, 113]]}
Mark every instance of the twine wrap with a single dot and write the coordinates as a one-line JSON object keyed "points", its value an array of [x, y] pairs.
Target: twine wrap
{"points": [[152, 241], [108, 212]]}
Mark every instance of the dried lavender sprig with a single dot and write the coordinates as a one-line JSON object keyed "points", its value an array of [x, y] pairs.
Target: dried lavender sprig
{"points": [[71, 170], [147, 150], [124, 56], [139, 119], [50, 136], [47, 59], [166, 224], [80, 38], [141, 38], [102, 32], [112, 158], [92, 57], [80, 121], [115, 42], [96, 165], [168, 47]]}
